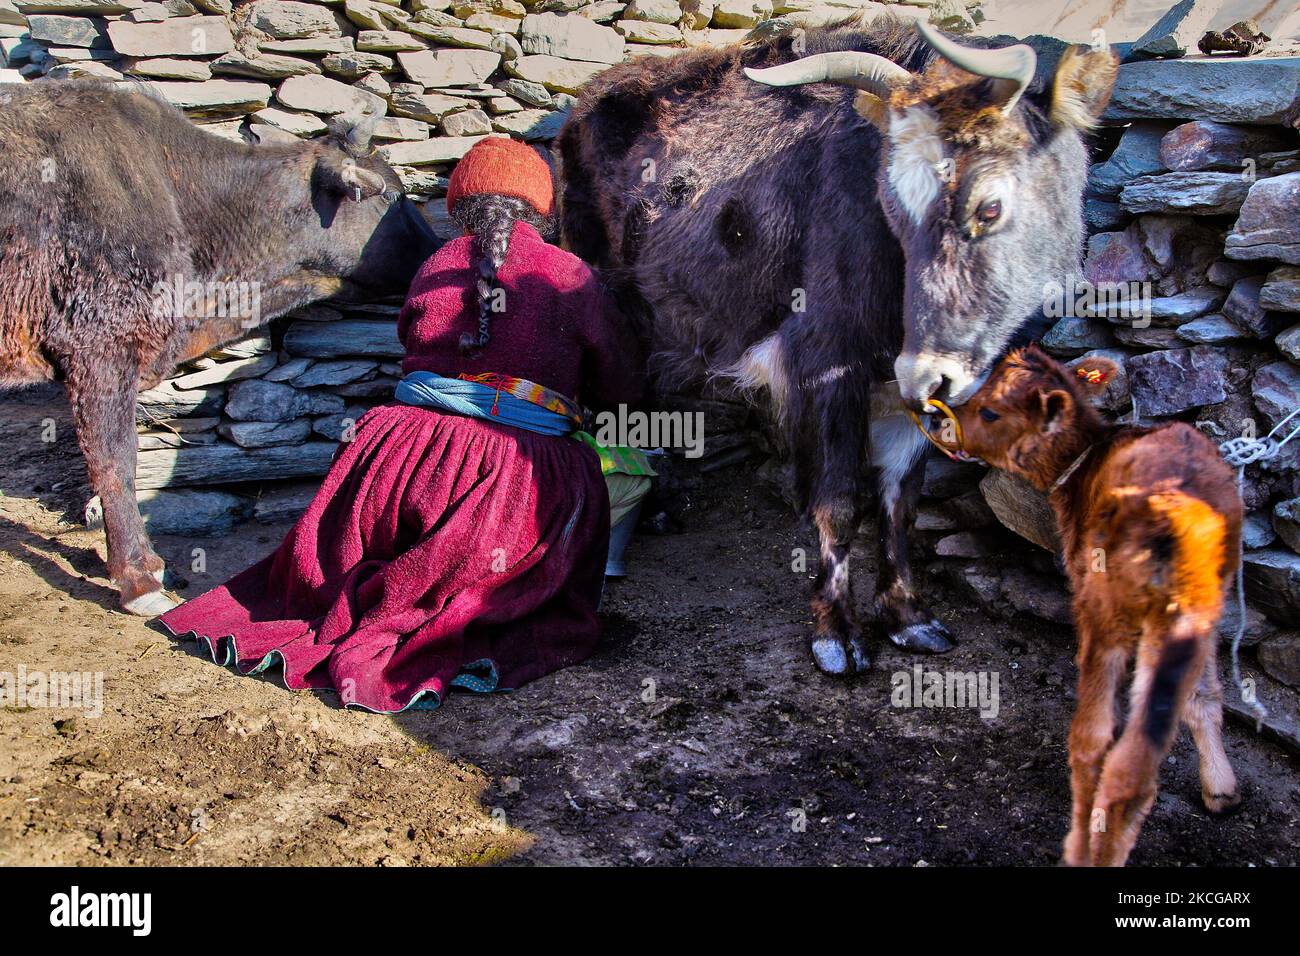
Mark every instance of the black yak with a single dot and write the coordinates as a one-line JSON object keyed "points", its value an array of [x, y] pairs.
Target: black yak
{"points": [[880, 205], [109, 200]]}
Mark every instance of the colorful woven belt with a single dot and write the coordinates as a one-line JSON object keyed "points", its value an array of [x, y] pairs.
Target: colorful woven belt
{"points": [[527, 391]]}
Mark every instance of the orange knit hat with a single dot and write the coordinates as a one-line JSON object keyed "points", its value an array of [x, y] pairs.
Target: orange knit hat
{"points": [[503, 167]]}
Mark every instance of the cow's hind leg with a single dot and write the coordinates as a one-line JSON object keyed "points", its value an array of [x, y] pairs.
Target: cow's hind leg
{"points": [[102, 391], [898, 453]]}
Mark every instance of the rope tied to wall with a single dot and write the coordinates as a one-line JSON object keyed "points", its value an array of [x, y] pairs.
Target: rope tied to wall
{"points": [[1240, 452]]}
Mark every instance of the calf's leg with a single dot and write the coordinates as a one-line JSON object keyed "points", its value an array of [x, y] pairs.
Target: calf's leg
{"points": [[102, 392], [1091, 734], [1204, 718], [1162, 682], [898, 453]]}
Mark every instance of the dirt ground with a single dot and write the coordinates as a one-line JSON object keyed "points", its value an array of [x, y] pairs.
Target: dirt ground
{"points": [[700, 733]]}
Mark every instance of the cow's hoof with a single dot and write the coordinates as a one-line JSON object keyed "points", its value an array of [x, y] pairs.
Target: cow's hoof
{"points": [[931, 638], [830, 656], [149, 605]]}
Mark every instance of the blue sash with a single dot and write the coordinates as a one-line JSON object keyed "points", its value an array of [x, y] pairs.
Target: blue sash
{"points": [[476, 400]]}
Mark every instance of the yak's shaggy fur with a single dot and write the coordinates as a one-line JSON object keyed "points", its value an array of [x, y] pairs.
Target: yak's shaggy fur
{"points": [[770, 236]]}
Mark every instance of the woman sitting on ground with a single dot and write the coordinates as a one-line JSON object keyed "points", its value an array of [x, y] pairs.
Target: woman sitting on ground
{"points": [[459, 539]]}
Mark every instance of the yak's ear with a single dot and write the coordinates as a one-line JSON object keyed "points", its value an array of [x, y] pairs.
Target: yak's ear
{"points": [[1094, 374], [872, 109], [340, 174], [261, 135], [1081, 90], [1055, 404], [353, 131]]}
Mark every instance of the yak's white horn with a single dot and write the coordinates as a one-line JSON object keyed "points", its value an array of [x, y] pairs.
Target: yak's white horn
{"points": [[864, 71], [1013, 66]]}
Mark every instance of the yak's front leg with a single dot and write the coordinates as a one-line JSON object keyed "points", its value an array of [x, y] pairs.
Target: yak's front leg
{"points": [[101, 390], [898, 453], [837, 645], [836, 505]]}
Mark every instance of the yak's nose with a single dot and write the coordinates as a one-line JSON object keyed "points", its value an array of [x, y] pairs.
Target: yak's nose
{"points": [[923, 376]]}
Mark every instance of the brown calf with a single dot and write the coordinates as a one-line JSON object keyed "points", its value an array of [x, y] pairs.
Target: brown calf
{"points": [[1150, 520]]}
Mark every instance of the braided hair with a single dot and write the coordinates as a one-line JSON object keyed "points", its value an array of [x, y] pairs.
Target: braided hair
{"points": [[490, 218]]}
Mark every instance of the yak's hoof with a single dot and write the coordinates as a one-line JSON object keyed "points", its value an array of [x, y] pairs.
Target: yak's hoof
{"points": [[830, 656], [931, 638], [858, 653], [149, 605], [840, 657]]}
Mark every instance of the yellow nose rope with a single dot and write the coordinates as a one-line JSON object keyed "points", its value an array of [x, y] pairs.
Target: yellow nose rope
{"points": [[916, 420]]}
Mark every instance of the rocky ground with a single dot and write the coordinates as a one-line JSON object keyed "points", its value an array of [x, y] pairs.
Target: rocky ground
{"points": [[699, 732]]}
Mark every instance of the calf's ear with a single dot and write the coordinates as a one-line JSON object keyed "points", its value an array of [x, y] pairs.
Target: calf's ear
{"points": [[1081, 90], [340, 174], [1094, 374], [1054, 406]]}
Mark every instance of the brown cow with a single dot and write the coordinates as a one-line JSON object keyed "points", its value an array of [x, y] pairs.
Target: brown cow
{"points": [[1150, 523], [109, 200]]}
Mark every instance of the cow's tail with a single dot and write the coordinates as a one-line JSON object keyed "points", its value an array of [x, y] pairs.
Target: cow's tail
{"points": [[23, 303], [762, 366]]}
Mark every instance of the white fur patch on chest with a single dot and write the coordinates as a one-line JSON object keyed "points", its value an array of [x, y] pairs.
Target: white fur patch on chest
{"points": [[762, 366], [915, 152]]}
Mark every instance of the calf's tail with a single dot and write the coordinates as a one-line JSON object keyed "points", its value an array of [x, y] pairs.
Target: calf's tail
{"points": [[1194, 585]]}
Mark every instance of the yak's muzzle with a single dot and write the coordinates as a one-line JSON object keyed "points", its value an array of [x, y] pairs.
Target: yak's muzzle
{"points": [[926, 375]]}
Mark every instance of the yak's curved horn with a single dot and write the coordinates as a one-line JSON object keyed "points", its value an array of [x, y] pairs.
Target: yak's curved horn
{"points": [[1013, 64], [865, 71]]}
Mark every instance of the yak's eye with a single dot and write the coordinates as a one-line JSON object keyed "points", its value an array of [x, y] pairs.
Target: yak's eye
{"points": [[989, 415], [989, 212]]}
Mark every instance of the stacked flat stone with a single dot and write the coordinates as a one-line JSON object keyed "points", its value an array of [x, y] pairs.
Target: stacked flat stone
{"points": [[452, 69]]}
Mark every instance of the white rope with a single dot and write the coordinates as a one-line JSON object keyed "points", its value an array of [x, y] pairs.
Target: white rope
{"points": [[1240, 452]]}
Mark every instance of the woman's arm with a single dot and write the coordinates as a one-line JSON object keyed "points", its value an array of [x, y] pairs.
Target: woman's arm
{"points": [[442, 275]]}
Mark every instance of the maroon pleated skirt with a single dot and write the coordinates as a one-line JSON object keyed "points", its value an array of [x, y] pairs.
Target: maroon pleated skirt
{"points": [[440, 551]]}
